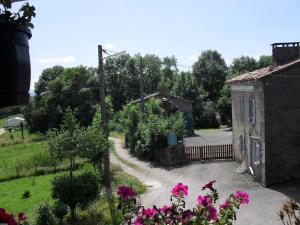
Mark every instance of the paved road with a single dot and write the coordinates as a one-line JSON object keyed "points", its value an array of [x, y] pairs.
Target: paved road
{"points": [[212, 137], [264, 202]]}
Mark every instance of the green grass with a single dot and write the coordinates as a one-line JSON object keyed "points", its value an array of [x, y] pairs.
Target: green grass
{"points": [[40, 190], [17, 134], [12, 155], [11, 194]]}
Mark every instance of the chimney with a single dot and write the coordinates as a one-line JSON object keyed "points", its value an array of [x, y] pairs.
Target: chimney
{"points": [[285, 52]]}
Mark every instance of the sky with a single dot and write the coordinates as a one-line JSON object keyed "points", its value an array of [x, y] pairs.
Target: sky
{"points": [[67, 32]]}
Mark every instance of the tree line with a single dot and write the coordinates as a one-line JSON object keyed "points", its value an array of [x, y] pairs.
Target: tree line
{"points": [[204, 84]]}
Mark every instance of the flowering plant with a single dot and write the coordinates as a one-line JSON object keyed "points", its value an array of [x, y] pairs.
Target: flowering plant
{"points": [[204, 213], [10, 218]]}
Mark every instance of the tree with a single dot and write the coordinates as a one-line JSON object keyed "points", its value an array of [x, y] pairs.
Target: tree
{"points": [[58, 89], [72, 191], [264, 61], [210, 72], [168, 74], [243, 64], [69, 142]]}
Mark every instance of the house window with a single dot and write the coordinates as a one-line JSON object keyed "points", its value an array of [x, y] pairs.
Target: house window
{"points": [[255, 146], [242, 143], [242, 108], [252, 110]]}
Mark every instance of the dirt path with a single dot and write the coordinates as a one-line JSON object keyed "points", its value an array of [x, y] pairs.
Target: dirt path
{"points": [[263, 205]]}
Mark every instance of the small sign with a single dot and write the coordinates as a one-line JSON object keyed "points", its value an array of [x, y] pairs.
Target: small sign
{"points": [[242, 88]]}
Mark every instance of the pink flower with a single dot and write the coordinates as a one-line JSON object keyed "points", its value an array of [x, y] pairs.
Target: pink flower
{"points": [[138, 221], [126, 193], [149, 212], [180, 189], [204, 200], [209, 185], [165, 209], [225, 205], [2, 215], [22, 217], [243, 197], [212, 213]]}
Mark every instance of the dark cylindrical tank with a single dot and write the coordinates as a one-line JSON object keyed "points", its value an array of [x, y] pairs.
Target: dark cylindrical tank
{"points": [[15, 68]]}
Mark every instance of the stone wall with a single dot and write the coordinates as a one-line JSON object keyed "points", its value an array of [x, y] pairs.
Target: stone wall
{"points": [[282, 110], [242, 125]]}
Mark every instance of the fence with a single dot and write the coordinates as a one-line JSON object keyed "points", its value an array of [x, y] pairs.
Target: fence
{"points": [[209, 152]]}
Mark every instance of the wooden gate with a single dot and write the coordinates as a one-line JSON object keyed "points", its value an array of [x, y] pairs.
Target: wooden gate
{"points": [[209, 152]]}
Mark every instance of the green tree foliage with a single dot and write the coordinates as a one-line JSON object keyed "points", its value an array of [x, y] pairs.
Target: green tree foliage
{"points": [[59, 88], [264, 61], [243, 64], [60, 210], [82, 189], [69, 142], [210, 71], [146, 133], [168, 74], [44, 215]]}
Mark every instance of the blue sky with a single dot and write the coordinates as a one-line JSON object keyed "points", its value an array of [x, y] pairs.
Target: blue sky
{"points": [[67, 32]]}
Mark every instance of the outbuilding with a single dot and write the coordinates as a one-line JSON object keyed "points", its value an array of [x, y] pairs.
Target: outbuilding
{"points": [[15, 122]]}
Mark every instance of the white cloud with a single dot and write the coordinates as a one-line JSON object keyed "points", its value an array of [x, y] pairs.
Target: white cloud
{"points": [[194, 57], [109, 46], [62, 60]]}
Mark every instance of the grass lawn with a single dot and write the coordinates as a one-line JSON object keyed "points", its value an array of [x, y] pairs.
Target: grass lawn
{"points": [[11, 194], [11, 155], [17, 134], [40, 190]]}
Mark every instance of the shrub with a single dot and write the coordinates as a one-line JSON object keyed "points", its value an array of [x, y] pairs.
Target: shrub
{"points": [[26, 194], [82, 189], [146, 133], [208, 118], [60, 210], [44, 215]]}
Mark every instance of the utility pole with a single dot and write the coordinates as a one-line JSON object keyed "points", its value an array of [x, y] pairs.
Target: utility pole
{"points": [[142, 86], [104, 118]]}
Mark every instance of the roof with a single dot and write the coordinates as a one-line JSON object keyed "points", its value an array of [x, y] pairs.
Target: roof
{"points": [[16, 118], [163, 95], [260, 73]]}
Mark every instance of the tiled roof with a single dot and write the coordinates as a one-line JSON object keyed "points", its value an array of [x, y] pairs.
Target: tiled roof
{"points": [[257, 74]]}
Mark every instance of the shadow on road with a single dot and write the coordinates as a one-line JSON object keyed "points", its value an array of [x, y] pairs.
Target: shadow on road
{"points": [[291, 189]]}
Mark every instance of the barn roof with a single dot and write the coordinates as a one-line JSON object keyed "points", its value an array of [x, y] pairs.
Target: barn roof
{"points": [[161, 94], [260, 73]]}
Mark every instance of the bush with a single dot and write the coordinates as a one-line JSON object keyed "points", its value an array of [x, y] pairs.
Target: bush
{"points": [[147, 133], [82, 189], [44, 215], [208, 118], [60, 210], [26, 194]]}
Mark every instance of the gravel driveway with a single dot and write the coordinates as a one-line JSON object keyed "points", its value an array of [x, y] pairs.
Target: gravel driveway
{"points": [[264, 202]]}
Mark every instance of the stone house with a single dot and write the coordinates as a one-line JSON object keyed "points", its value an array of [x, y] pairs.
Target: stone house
{"points": [[266, 117]]}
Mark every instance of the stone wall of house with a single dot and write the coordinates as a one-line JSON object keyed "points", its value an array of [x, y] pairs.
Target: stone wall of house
{"points": [[282, 122], [242, 125]]}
